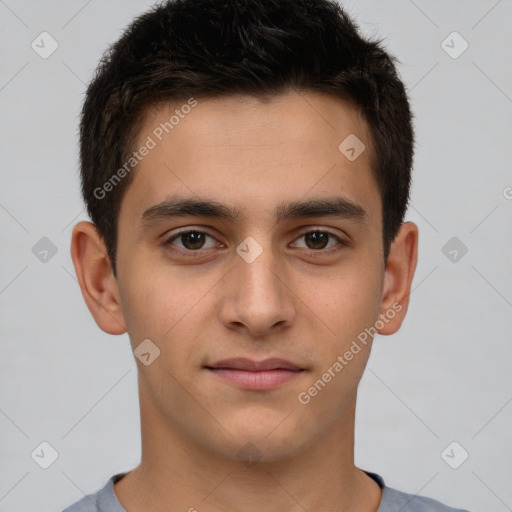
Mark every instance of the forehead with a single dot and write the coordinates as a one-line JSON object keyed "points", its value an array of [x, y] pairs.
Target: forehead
{"points": [[253, 153]]}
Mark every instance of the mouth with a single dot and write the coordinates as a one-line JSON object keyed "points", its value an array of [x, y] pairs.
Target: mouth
{"points": [[255, 375]]}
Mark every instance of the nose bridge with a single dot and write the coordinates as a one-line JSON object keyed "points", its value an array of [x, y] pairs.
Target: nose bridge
{"points": [[256, 258], [259, 278], [256, 295]]}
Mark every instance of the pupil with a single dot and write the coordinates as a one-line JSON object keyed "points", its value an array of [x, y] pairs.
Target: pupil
{"points": [[317, 238], [193, 240]]}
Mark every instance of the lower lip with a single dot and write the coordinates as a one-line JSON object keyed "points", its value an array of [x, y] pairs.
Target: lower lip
{"points": [[262, 380]]}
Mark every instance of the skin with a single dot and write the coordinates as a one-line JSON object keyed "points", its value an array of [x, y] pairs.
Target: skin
{"points": [[252, 155]]}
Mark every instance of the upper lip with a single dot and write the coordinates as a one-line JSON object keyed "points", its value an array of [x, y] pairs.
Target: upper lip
{"points": [[255, 366]]}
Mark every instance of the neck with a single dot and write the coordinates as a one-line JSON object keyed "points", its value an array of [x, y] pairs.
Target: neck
{"points": [[175, 471]]}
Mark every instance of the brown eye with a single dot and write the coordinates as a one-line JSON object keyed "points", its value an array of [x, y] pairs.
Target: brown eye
{"points": [[191, 240], [318, 240]]}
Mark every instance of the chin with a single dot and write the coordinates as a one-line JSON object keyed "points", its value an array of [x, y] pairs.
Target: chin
{"points": [[260, 450], [263, 440]]}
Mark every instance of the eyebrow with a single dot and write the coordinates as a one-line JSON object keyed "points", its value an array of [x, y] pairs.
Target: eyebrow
{"points": [[337, 207]]}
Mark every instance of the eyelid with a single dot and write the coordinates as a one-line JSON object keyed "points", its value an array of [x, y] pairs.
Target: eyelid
{"points": [[184, 231], [321, 229]]}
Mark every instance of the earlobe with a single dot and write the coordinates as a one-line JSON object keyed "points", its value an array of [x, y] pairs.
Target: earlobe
{"points": [[399, 272], [94, 273]]}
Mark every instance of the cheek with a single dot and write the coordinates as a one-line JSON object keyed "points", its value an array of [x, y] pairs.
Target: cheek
{"points": [[344, 303], [165, 306], [345, 307]]}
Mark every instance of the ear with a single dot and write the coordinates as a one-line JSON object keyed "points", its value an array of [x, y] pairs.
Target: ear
{"points": [[97, 282], [398, 274]]}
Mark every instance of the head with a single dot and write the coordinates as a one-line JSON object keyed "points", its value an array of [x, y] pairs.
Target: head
{"points": [[205, 49], [248, 120]]}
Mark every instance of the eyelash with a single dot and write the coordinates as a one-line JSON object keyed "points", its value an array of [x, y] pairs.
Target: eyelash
{"points": [[200, 252]]}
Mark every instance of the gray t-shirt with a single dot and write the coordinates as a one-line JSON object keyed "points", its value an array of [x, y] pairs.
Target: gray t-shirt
{"points": [[106, 500]]}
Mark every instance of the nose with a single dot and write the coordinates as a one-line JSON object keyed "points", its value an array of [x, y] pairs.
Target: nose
{"points": [[257, 297]]}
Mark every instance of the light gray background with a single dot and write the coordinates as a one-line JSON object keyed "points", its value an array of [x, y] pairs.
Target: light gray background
{"points": [[444, 377]]}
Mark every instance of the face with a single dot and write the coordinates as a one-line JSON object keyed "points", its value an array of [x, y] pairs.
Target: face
{"points": [[250, 255]]}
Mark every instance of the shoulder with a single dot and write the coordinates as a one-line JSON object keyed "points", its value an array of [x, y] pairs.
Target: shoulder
{"points": [[393, 500], [88, 503], [101, 501], [397, 501]]}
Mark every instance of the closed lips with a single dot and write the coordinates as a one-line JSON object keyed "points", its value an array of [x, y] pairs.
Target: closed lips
{"points": [[254, 366]]}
